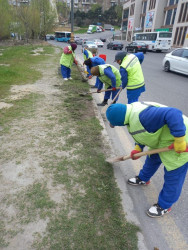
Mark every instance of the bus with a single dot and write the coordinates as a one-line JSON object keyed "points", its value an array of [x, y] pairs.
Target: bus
{"points": [[156, 41], [62, 36]]}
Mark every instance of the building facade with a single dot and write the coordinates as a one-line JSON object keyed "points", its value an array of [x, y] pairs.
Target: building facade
{"points": [[85, 5], [151, 15]]}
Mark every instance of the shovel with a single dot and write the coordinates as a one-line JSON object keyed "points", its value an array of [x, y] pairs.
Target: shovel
{"points": [[103, 110], [102, 90], [149, 152]]}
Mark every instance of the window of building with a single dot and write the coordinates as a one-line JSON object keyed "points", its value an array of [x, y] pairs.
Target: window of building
{"points": [[132, 9], [176, 35], [181, 13], [126, 14], [142, 22], [179, 36], [152, 4], [171, 2], [185, 13], [177, 1], [174, 15], [144, 7], [124, 26], [183, 36], [168, 17]]}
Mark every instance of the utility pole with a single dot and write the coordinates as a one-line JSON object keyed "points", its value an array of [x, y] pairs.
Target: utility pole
{"points": [[72, 21]]}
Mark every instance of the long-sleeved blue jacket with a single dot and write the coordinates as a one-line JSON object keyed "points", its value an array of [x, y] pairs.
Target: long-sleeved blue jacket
{"points": [[108, 72], [153, 118], [96, 60]]}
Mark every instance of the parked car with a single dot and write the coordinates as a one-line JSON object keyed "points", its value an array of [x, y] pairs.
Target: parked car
{"points": [[98, 42], [78, 40], [52, 37], [177, 61], [103, 39], [90, 45], [137, 46], [115, 45]]}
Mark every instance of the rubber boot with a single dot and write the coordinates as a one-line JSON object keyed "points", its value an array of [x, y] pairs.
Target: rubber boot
{"points": [[105, 102]]}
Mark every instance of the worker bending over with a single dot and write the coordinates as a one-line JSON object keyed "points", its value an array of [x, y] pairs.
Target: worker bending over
{"points": [[110, 76], [92, 62], [87, 55], [156, 126]]}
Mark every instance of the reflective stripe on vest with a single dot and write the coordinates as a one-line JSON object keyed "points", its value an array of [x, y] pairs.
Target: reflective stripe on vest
{"points": [[67, 59], [105, 79], [161, 138], [135, 75]]}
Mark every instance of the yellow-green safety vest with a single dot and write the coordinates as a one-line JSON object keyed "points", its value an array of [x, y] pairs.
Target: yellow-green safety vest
{"points": [[105, 79], [161, 138], [90, 55], [135, 75], [67, 59]]}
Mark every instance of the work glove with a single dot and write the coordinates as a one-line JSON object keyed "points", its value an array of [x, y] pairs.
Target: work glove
{"points": [[90, 77], [136, 150], [113, 88], [75, 61], [98, 90], [179, 144], [69, 52]]}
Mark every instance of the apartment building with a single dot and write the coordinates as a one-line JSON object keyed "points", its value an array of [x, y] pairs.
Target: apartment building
{"points": [[85, 5], [151, 15], [180, 28]]}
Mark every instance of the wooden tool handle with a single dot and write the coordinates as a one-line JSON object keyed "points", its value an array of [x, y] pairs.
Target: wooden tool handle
{"points": [[116, 95], [103, 110], [149, 152]]}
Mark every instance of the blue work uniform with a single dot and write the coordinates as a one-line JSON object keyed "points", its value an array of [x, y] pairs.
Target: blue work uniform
{"points": [[108, 72], [87, 56], [132, 94], [152, 119], [96, 60]]}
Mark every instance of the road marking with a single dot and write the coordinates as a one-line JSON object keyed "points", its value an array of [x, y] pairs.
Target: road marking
{"points": [[169, 228]]}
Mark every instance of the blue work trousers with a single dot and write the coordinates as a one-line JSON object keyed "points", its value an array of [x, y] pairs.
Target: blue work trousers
{"points": [[134, 94], [65, 71], [109, 93], [173, 180]]}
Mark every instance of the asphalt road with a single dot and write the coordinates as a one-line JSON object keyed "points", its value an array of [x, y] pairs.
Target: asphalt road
{"points": [[171, 89]]}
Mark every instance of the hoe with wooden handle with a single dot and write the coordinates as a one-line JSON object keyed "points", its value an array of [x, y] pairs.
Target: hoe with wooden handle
{"points": [[103, 110], [102, 90], [149, 152]]}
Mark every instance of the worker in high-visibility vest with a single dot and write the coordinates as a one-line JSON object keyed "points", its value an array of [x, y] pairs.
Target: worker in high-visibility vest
{"points": [[110, 76], [131, 75], [66, 61], [87, 55], [92, 62], [156, 126]]}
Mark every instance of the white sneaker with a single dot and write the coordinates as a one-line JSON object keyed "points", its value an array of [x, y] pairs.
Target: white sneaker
{"points": [[70, 78], [157, 211], [65, 79]]}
